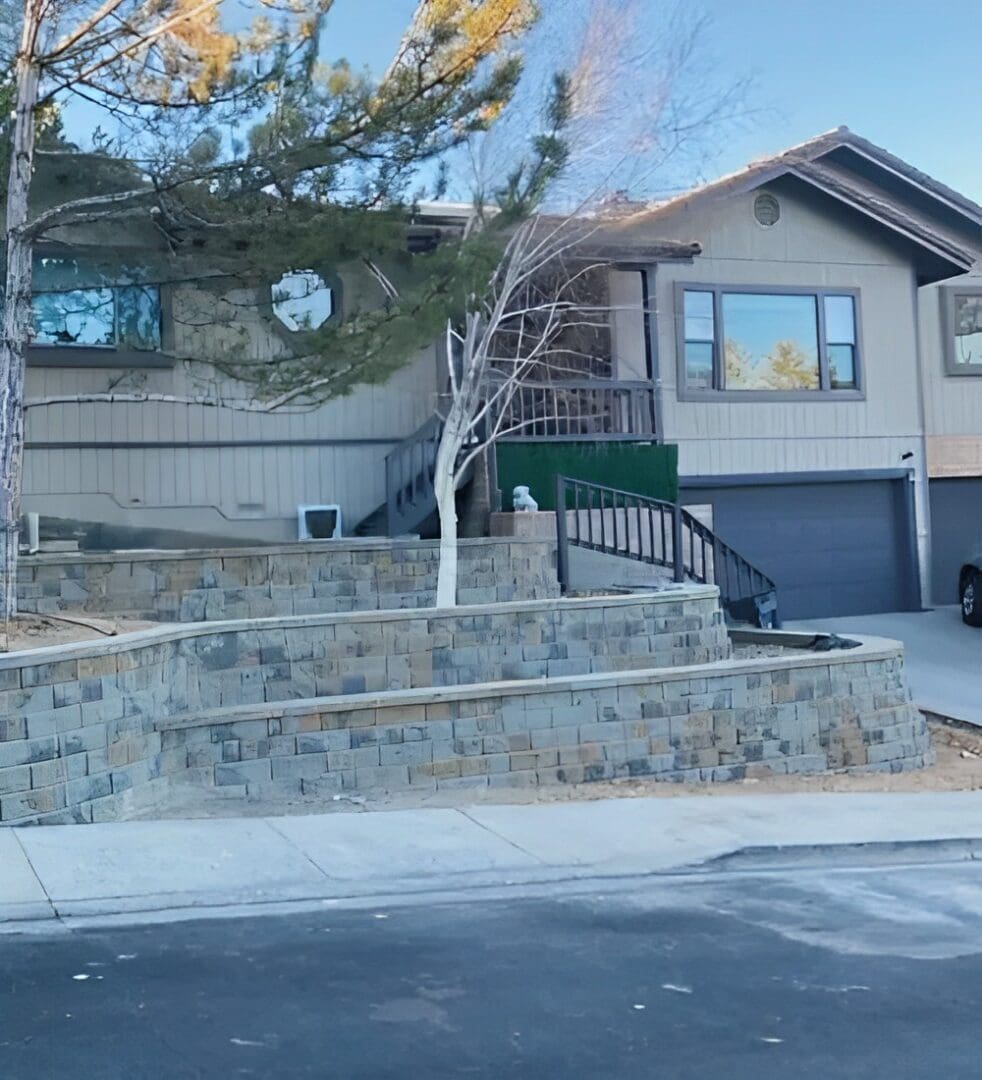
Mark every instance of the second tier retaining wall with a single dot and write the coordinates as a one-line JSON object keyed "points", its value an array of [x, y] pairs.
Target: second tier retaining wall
{"points": [[287, 579]]}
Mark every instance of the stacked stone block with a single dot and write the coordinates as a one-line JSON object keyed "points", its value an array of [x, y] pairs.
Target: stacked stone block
{"points": [[760, 718], [289, 579], [80, 729], [77, 749]]}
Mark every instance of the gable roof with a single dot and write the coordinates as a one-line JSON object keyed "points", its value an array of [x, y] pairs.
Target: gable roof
{"points": [[812, 163]]}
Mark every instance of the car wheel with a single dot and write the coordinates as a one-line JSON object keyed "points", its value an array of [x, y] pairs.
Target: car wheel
{"points": [[972, 598]]}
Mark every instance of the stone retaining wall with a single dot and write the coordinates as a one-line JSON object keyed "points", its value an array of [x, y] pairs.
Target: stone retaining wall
{"points": [[749, 718], [738, 718], [288, 579], [78, 722]]}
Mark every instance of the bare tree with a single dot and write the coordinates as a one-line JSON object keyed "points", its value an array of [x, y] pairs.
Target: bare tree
{"points": [[633, 103], [646, 101], [513, 331]]}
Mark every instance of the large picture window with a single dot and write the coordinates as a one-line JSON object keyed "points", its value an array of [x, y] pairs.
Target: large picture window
{"points": [[963, 348], [76, 304], [750, 341]]}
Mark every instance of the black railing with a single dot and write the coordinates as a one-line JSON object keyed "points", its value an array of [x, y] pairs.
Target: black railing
{"points": [[587, 409], [742, 586], [410, 497], [660, 533]]}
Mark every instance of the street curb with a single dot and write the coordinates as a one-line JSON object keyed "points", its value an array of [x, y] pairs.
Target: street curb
{"points": [[874, 853], [55, 917]]}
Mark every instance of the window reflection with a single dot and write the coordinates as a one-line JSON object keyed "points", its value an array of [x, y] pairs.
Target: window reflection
{"points": [[96, 312], [968, 330], [747, 340]]}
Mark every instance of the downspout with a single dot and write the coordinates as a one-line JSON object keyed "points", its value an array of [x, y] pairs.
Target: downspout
{"points": [[920, 491], [649, 282]]}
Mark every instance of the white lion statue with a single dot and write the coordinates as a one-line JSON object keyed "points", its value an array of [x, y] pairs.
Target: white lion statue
{"points": [[522, 501]]}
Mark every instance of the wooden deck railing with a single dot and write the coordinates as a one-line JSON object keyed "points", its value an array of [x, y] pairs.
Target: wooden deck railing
{"points": [[589, 409]]}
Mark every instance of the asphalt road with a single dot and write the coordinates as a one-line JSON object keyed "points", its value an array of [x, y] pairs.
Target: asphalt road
{"points": [[811, 973]]}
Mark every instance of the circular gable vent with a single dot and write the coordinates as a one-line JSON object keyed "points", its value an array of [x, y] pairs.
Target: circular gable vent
{"points": [[767, 210]]}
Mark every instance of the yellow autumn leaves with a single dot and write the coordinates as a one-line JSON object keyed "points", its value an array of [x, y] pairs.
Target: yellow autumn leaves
{"points": [[455, 36], [475, 29]]}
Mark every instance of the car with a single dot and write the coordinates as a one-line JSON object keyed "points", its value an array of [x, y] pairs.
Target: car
{"points": [[970, 590]]}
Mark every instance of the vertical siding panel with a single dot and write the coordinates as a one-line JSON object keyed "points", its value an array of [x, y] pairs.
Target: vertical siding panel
{"points": [[87, 471], [104, 472], [272, 495]]}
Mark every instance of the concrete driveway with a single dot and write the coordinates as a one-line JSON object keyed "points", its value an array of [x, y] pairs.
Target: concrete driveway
{"points": [[944, 656]]}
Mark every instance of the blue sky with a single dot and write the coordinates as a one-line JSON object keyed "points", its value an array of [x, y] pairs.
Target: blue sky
{"points": [[899, 73]]}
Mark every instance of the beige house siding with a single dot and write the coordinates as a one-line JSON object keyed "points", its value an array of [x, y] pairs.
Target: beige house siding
{"points": [[220, 471], [815, 244], [808, 247], [952, 403]]}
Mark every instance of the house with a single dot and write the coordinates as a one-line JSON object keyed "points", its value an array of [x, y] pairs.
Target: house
{"points": [[814, 365], [181, 456], [806, 332], [175, 470]]}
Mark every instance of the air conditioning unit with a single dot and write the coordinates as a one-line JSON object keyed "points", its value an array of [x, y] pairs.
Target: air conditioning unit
{"points": [[319, 522]]}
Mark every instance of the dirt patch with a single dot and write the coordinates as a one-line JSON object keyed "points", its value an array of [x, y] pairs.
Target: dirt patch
{"points": [[37, 631]]}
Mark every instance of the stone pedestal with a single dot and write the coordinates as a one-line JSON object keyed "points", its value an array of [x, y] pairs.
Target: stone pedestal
{"points": [[535, 525]]}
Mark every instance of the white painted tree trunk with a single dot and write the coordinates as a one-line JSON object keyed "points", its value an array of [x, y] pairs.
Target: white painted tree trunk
{"points": [[16, 324], [445, 489]]}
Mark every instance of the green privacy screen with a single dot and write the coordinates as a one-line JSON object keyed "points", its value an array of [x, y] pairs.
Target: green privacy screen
{"points": [[643, 468]]}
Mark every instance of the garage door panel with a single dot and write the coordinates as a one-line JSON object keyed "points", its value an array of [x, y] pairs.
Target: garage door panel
{"points": [[956, 529], [832, 548]]}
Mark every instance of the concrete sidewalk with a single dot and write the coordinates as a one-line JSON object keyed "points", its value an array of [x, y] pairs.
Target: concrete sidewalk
{"points": [[195, 868]]}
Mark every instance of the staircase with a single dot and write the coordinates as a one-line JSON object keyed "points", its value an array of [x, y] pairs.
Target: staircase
{"points": [[576, 409], [410, 497], [661, 534]]}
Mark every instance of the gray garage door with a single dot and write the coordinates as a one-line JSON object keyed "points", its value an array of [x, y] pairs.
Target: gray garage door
{"points": [[956, 527], [840, 548]]}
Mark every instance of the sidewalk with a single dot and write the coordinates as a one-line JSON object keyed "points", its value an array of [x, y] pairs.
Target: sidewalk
{"points": [[197, 868]]}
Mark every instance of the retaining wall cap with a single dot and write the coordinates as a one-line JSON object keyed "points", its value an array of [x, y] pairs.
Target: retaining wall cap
{"points": [[299, 547], [869, 649], [110, 646]]}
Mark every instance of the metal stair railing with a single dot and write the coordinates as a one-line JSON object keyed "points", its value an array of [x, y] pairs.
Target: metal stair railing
{"points": [[745, 590], [659, 533], [410, 468], [580, 409], [410, 475]]}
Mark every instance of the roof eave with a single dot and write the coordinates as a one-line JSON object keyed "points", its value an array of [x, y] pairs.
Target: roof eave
{"points": [[636, 256], [890, 163], [958, 258]]}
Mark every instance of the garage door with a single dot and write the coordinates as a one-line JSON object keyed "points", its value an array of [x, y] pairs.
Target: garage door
{"points": [[956, 528], [833, 548]]}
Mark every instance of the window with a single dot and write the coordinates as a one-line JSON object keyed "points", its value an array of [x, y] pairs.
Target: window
{"points": [[743, 341], [75, 305], [302, 300], [964, 345]]}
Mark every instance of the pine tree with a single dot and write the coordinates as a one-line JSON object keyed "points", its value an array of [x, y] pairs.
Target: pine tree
{"points": [[739, 369], [790, 368], [327, 168]]}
